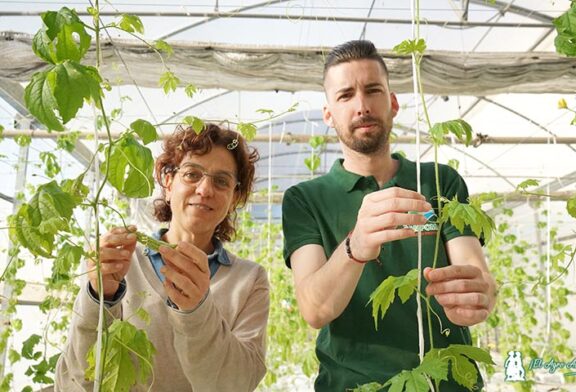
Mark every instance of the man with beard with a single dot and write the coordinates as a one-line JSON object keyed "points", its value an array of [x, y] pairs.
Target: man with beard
{"points": [[347, 231]]}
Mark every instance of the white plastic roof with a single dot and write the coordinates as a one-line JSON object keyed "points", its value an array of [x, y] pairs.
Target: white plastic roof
{"points": [[472, 32]]}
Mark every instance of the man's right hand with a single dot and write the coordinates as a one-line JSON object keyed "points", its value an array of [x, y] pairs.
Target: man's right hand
{"points": [[116, 248], [380, 215]]}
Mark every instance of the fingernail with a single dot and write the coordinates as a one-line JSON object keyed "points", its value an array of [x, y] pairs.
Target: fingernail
{"points": [[131, 236], [119, 265], [125, 253]]}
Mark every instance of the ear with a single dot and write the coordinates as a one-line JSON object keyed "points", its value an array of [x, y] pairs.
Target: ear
{"points": [[234, 202], [327, 116], [168, 181], [395, 104]]}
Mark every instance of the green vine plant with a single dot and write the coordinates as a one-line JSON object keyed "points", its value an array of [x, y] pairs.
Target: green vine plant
{"points": [[318, 145], [290, 348], [518, 267], [46, 227], [454, 359]]}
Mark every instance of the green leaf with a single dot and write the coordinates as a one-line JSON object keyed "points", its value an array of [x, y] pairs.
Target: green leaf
{"points": [[115, 113], [317, 141], [196, 123], [526, 184], [62, 88], [67, 260], [565, 41], [413, 381], [13, 356], [434, 367], [1, 132], [40, 100], [28, 347], [454, 164], [459, 128], [131, 24], [145, 130], [131, 168], [312, 162], [143, 315], [248, 130], [385, 293], [23, 140], [371, 387], [52, 208], [68, 141], [269, 112], [169, 82], [35, 223], [410, 46], [190, 90], [63, 37], [407, 284], [165, 47], [23, 233], [462, 368], [74, 84], [571, 206], [51, 166], [76, 189], [126, 345], [463, 214]]}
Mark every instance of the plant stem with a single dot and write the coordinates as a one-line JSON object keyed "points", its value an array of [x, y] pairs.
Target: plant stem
{"points": [[98, 374]]}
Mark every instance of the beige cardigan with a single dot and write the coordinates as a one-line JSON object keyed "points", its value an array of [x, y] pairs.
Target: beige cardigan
{"points": [[220, 346]]}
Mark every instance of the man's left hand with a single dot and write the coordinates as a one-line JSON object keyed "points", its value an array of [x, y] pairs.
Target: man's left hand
{"points": [[462, 290]]}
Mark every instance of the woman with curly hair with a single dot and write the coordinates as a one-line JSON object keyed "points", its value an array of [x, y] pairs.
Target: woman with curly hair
{"points": [[208, 307]]}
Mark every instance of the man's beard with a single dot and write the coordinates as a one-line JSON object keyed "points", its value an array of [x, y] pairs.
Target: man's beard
{"points": [[368, 144]]}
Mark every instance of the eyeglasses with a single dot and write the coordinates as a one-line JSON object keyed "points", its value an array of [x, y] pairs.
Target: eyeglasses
{"points": [[192, 174]]}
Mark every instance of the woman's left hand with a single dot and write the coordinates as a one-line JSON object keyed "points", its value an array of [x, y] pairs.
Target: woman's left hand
{"points": [[187, 274]]}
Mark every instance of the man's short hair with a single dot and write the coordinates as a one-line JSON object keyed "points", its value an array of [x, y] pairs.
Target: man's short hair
{"points": [[351, 51]]}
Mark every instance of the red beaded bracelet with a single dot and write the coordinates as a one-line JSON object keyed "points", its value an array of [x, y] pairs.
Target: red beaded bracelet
{"points": [[349, 251]]}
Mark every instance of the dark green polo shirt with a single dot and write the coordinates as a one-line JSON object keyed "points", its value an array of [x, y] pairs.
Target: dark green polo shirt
{"points": [[350, 350]]}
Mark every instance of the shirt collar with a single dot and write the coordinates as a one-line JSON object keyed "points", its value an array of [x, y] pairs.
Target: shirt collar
{"points": [[404, 176], [219, 255]]}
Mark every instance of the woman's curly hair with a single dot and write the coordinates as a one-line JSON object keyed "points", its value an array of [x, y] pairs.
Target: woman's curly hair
{"points": [[185, 141]]}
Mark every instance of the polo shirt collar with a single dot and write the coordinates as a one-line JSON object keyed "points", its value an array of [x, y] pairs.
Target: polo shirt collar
{"points": [[404, 177]]}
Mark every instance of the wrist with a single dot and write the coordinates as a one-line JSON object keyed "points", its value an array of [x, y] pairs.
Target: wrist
{"points": [[350, 253]]}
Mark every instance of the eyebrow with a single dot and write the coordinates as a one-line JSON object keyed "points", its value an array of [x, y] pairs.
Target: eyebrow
{"points": [[374, 84], [344, 90], [367, 86], [197, 166]]}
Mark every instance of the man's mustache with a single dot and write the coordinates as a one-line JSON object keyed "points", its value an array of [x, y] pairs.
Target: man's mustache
{"points": [[363, 121]]}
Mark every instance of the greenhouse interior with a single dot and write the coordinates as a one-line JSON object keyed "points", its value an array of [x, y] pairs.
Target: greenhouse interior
{"points": [[483, 86]]}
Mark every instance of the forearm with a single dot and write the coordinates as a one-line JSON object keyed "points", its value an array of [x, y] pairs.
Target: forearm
{"points": [[71, 366], [324, 294]]}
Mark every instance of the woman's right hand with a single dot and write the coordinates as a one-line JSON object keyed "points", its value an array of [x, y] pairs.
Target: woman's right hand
{"points": [[116, 248]]}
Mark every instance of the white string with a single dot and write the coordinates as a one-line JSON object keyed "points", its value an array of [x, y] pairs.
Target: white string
{"points": [[415, 34], [269, 244]]}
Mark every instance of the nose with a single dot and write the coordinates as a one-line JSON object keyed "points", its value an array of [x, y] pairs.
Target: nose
{"points": [[362, 105], [205, 187]]}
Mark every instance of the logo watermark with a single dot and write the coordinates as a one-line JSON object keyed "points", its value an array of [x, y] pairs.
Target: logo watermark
{"points": [[552, 365], [514, 368]]}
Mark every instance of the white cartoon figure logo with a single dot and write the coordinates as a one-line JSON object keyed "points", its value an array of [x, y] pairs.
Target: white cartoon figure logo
{"points": [[513, 367]]}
